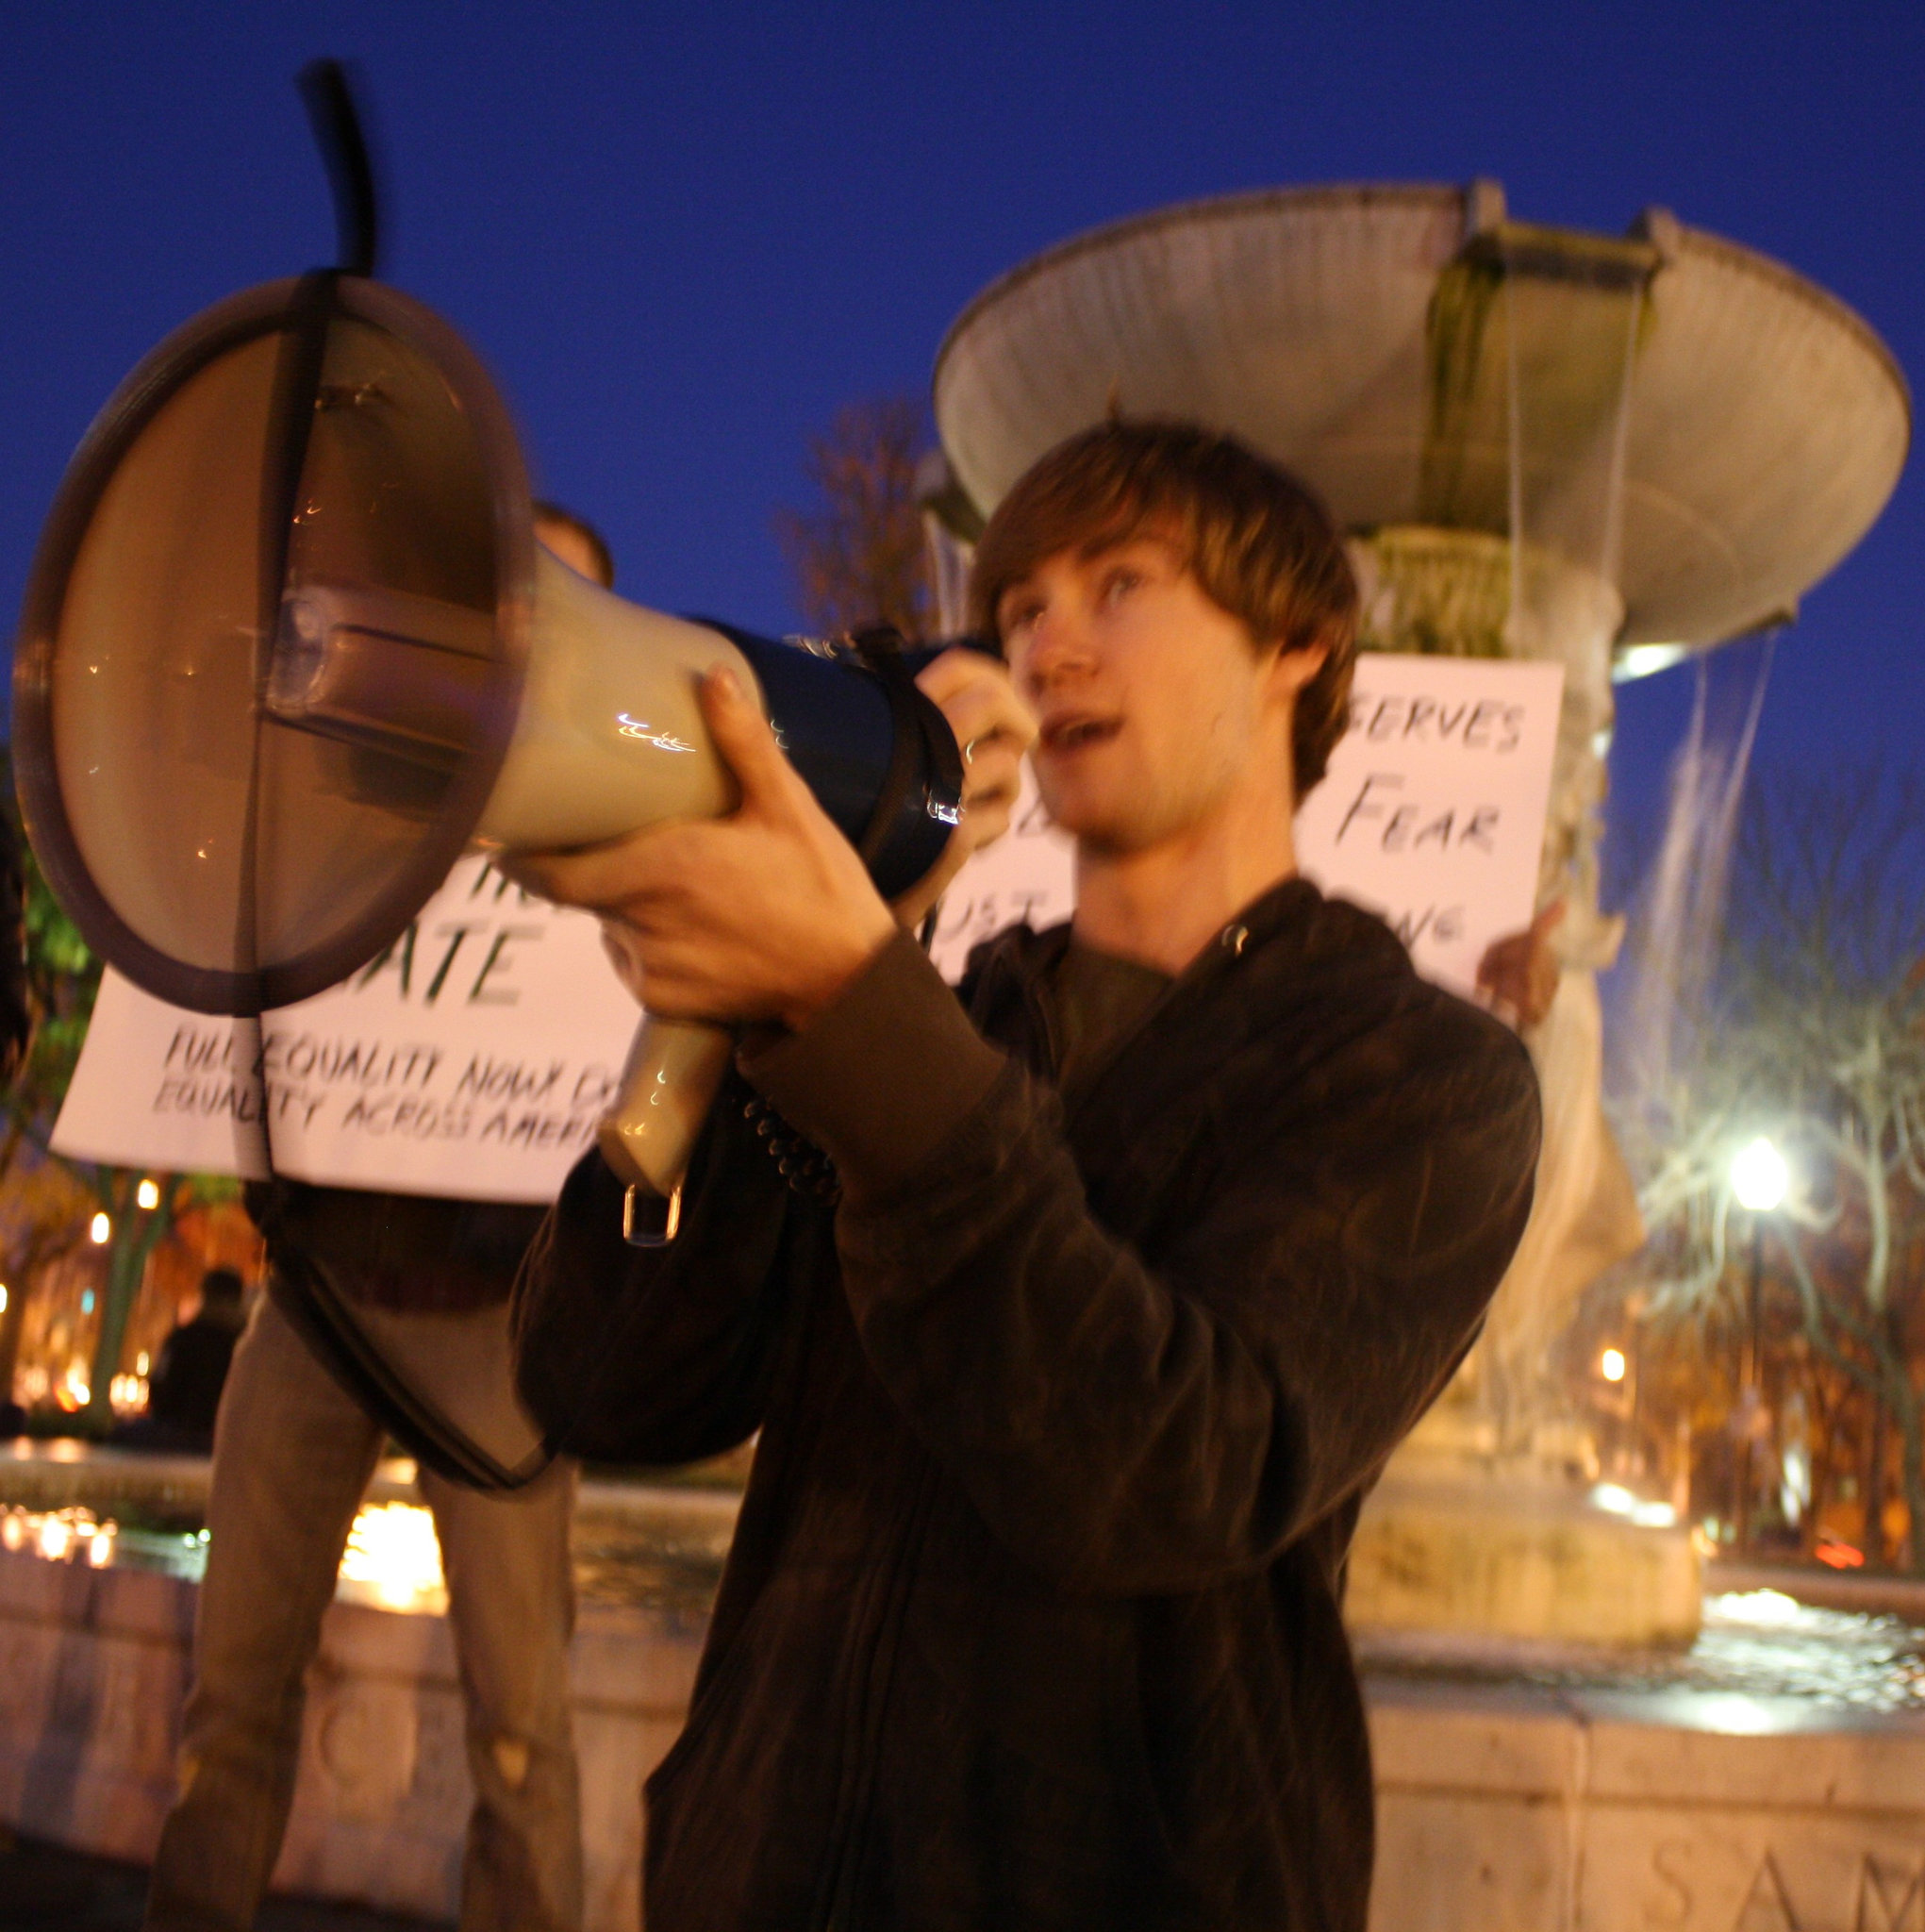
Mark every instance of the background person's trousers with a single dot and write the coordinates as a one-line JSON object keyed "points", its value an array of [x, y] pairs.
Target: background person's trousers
{"points": [[293, 1454]]}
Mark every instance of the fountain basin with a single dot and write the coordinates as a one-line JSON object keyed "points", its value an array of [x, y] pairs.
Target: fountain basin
{"points": [[1773, 1775], [1769, 426]]}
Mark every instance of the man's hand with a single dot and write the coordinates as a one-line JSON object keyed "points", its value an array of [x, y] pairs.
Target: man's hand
{"points": [[769, 913], [995, 729], [1518, 973], [766, 914]]}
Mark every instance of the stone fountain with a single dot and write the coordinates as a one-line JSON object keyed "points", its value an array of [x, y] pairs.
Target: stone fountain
{"points": [[1608, 452]]}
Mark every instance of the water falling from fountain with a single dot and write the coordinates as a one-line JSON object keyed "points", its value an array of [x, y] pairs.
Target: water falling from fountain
{"points": [[1677, 920]]}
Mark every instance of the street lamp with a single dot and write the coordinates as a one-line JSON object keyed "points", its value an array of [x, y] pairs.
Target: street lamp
{"points": [[1759, 1181], [1759, 1178]]}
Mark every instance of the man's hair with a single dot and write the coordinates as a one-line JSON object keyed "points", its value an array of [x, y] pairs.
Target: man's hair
{"points": [[1256, 540], [222, 1286], [546, 512]]}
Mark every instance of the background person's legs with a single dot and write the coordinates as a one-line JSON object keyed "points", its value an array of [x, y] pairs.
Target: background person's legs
{"points": [[292, 1455], [511, 1602]]}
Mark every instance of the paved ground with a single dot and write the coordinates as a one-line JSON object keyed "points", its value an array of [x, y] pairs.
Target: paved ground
{"points": [[43, 1889]]}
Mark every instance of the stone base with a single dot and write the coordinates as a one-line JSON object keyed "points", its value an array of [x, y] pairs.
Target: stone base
{"points": [[1463, 1559], [1524, 1810], [1505, 1809], [93, 1664]]}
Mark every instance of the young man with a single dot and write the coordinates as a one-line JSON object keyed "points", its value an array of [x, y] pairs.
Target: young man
{"points": [[1147, 1253]]}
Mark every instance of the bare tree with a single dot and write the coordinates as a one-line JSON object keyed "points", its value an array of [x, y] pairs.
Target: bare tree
{"points": [[861, 557], [1814, 1036]]}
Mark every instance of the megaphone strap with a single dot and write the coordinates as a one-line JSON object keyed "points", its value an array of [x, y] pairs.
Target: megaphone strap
{"points": [[328, 93]]}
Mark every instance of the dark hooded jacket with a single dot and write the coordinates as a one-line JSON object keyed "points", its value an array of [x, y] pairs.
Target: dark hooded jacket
{"points": [[1031, 1615]]}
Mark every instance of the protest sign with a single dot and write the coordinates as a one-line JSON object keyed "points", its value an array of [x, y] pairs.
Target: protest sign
{"points": [[475, 1055], [472, 1057], [1431, 814], [1028, 877]]}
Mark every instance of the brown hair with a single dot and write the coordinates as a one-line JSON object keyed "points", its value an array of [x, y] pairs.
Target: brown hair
{"points": [[546, 512], [1256, 540]]}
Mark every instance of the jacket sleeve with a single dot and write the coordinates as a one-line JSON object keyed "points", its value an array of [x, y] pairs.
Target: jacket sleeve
{"points": [[656, 1355], [1140, 1430]]}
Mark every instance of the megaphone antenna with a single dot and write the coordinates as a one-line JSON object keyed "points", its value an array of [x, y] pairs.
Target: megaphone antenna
{"points": [[330, 94]]}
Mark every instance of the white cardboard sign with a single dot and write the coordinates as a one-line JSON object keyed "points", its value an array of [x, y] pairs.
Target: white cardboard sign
{"points": [[1431, 814], [475, 1055], [1028, 877], [472, 1058]]}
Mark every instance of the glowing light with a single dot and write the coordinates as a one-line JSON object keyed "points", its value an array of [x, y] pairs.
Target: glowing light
{"points": [[74, 1392], [3, 1297], [1771, 1609], [1641, 660], [642, 729], [1734, 1714], [1759, 1176], [147, 1194], [140, 1363], [100, 1231], [1611, 1365], [87, 1301], [393, 1555], [58, 1535], [1615, 1498]]}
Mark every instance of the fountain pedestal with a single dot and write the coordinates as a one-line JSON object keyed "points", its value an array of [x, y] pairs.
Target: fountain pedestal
{"points": [[1466, 1553]]}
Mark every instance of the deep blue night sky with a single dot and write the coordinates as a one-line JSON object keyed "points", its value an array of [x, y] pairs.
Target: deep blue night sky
{"points": [[683, 236]]}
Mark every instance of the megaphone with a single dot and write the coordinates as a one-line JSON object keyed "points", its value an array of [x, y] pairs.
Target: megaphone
{"points": [[290, 648]]}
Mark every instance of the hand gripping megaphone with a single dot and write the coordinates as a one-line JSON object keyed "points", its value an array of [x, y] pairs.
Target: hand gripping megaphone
{"points": [[290, 648]]}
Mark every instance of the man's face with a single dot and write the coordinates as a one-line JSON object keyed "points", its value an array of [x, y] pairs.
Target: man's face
{"points": [[1153, 704]]}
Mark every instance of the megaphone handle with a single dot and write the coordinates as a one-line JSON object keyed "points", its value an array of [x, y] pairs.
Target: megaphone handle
{"points": [[674, 1068]]}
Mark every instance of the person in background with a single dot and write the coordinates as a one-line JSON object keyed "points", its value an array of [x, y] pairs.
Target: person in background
{"points": [[293, 1453], [184, 1390]]}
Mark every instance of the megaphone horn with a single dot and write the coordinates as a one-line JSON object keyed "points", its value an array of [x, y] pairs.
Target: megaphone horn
{"points": [[250, 745]]}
